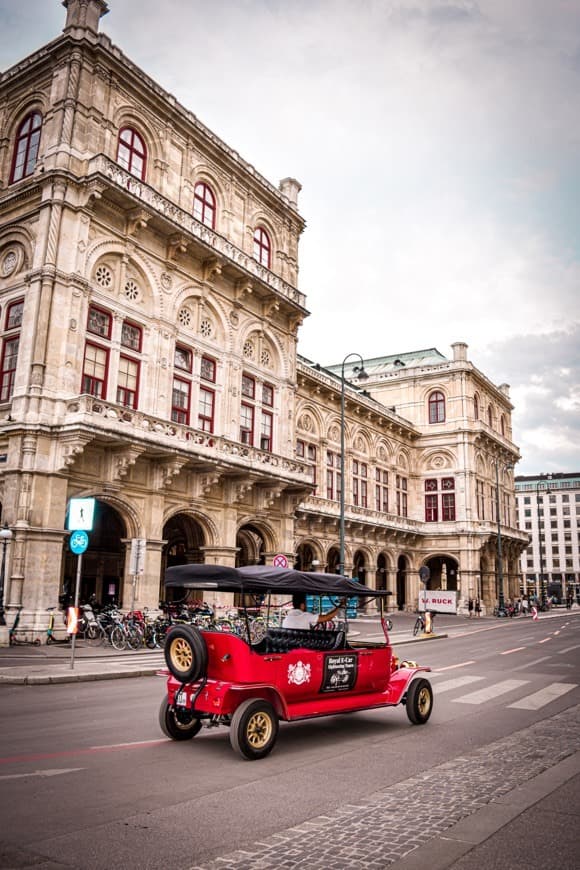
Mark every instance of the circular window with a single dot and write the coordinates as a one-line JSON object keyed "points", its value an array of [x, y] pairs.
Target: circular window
{"points": [[206, 328], [9, 263], [265, 358], [132, 291], [104, 276], [249, 349], [184, 317]]}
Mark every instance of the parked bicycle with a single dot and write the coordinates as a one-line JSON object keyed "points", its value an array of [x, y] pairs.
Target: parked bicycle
{"points": [[15, 632]]}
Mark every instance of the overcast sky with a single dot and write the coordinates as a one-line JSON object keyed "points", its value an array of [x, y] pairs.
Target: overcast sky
{"points": [[438, 146]]}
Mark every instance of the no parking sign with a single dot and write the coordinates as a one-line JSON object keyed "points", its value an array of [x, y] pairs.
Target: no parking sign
{"points": [[280, 561]]}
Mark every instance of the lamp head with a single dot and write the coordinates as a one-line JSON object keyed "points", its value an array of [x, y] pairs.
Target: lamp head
{"points": [[360, 373], [5, 533]]}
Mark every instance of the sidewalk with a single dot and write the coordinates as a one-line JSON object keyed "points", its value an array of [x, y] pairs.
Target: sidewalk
{"points": [[30, 665]]}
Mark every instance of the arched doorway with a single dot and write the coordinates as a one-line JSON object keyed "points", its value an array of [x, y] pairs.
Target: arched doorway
{"points": [[103, 565], [251, 546], [443, 572], [381, 578], [185, 541], [305, 559], [402, 570], [333, 561]]}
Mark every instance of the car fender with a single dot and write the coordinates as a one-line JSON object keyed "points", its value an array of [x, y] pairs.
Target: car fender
{"points": [[399, 682], [236, 695]]}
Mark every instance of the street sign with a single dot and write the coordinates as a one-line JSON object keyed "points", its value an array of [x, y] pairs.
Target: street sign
{"points": [[81, 512], [78, 542], [137, 560], [280, 561]]}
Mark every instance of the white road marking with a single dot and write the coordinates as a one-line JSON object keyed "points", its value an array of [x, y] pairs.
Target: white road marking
{"points": [[546, 639], [531, 664], [491, 692], [448, 685], [543, 697], [134, 743], [452, 667], [41, 773], [568, 649], [515, 649]]}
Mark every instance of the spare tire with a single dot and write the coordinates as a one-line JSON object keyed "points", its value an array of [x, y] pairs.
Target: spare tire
{"points": [[186, 653]]}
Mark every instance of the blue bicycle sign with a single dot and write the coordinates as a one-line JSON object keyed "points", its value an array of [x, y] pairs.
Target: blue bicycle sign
{"points": [[79, 541]]}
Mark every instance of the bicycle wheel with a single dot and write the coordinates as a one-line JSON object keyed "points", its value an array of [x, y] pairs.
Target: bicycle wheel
{"points": [[134, 637], [95, 634], [418, 626], [118, 638]]}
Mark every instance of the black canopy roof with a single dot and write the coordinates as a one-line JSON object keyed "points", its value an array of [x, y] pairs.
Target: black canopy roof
{"points": [[263, 579]]}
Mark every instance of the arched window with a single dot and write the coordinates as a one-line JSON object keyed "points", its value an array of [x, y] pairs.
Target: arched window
{"points": [[502, 424], [262, 247], [437, 407], [476, 407], [131, 152], [204, 205], [26, 147], [489, 417]]}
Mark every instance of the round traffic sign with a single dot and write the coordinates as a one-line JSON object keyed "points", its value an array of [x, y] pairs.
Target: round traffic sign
{"points": [[280, 561], [79, 541]]}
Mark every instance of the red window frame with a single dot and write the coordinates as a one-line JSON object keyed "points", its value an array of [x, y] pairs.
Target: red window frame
{"points": [[91, 384], [402, 505], [206, 411], [262, 247], [381, 490], [208, 369], [10, 349], [431, 508], [247, 424], [107, 322], [266, 431], [132, 336], [268, 395], [204, 209], [132, 152], [437, 407], [308, 452], [448, 506], [180, 412], [183, 358], [126, 395], [248, 386], [14, 314], [26, 147], [359, 483], [333, 477]]}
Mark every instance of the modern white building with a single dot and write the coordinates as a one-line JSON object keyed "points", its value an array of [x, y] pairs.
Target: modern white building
{"points": [[548, 510]]}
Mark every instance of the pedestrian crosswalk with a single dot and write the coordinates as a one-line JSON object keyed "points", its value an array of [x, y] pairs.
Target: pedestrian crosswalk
{"points": [[501, 689]]}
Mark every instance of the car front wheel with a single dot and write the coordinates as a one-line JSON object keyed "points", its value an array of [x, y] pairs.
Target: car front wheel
{"points": [[254, 729], [419, 701], [178, 724]]}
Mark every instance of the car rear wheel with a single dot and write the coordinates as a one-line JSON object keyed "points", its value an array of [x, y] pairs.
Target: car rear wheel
{"points": [[254, 729], [419, 701], [176, 723], [186, 653]]}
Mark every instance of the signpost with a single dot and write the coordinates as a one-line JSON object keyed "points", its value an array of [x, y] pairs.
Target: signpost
{"points": [[81, 514], [136, 566], [424, 575]]}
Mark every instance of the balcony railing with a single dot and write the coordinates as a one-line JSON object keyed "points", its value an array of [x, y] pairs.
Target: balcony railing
{"points": [[216, 244], [117, 421]]}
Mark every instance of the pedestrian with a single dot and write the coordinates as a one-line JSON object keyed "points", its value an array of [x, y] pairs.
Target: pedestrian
{"points": [[470, 608], [477, 608]]}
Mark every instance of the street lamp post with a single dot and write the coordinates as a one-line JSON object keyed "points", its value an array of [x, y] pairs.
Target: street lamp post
{"points": [[362, 376], [540, 543], [5, 536]]}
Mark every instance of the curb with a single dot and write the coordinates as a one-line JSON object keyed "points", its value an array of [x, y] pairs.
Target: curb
{"points": [[51, 679]]}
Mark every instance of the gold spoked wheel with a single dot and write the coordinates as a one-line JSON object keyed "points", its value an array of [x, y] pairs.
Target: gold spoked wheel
{"points": [[259, 730], [254, 728], [424, 701], [419, 701], [181, 653], [186, 653]]}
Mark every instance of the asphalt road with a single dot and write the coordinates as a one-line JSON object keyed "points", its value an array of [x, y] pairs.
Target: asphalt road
{"points": [[87, 780]]}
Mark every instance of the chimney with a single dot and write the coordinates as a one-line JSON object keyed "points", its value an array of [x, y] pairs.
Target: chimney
{"points": [[84, 14], [290, 188], [459, 351]]}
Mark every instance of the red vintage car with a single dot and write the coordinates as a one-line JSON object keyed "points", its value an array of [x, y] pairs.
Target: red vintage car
{"points": [[219, 677]]}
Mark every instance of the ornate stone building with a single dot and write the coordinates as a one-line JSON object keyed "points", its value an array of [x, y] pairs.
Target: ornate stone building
{"points": [[149, 324]]}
